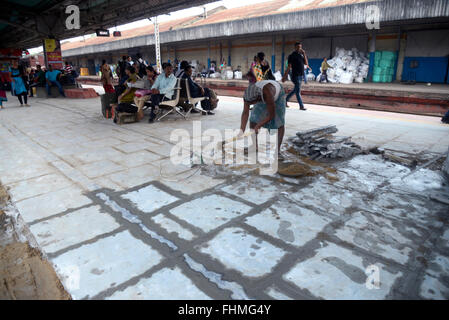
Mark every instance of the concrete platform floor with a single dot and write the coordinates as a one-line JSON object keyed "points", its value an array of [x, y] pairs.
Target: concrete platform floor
{"points": [[118, 220]]}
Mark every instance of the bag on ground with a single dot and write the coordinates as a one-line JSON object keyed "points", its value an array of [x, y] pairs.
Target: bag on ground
{"points": [[445, 119], [106, 100], [212, 102]]}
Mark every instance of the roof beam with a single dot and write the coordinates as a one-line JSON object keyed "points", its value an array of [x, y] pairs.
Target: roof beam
{"points": [[50, 18], [22, 27]]}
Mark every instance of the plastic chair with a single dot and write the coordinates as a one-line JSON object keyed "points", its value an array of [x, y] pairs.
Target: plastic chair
{"points": [[171, 105], [192, 101]]}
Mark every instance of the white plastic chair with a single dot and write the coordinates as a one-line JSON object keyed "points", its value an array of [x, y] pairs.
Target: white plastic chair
{"points": [[192, 101], [172, 104]]}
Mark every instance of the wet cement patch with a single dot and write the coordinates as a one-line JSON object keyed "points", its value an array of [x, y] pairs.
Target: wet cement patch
{"points": [[337, 273]]}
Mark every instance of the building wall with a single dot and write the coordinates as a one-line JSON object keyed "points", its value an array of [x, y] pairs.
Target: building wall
{"points": [[244, 50], [427, 56], [349, 42], [428, 49], [434, 43], [387, 42]]}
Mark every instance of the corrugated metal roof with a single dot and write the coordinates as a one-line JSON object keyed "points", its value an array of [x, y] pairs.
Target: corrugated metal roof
{"points": [[131, 33], [245, 12]]}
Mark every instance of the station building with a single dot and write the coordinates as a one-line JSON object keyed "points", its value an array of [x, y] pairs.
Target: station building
{"points": [[416, 30]]}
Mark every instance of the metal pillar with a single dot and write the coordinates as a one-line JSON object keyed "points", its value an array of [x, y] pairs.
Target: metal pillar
{"points": [[45, 54], [208, 56], [372, 52], [229, 52], [283, 55], [331, 55], [273, 54], [157, 45], [401, 55]]}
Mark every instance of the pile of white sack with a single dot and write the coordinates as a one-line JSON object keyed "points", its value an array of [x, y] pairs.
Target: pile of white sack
{"points": [[215, 75], [227, 74], [348, 66]]}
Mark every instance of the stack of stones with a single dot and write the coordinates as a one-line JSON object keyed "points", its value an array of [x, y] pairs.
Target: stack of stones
{"points": [[320, 143], [446, 166]]}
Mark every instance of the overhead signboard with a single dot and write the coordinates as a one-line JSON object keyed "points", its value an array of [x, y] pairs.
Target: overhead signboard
{"points": [[52, 53], [10, 53], [102, 32]]}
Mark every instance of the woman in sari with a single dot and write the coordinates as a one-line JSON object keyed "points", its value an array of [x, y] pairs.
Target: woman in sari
{"points": [[127, 97], [106, 78], [260, 69], [268, 98]]}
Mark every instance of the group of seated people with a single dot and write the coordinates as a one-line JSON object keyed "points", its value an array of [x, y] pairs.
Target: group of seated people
{"points": [[154, 88], [51, 77]]}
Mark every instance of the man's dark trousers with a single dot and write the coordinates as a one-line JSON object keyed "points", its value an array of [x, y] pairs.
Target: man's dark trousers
{"points": [[297, 90]]}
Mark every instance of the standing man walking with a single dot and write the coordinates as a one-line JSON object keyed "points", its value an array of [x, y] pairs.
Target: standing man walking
{"points": [[296, 62], [324, 67]]}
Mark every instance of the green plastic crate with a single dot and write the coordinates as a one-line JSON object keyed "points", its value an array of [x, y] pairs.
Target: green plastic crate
{"points": [[389, 55], [377, 71], [386, 79], [377, 57], [387, 64], [377, 78], [390, 72]]}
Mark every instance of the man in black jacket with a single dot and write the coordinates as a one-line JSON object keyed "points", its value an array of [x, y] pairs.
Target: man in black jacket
{"points": [[296, 62], [196, 90], [122, 65]]}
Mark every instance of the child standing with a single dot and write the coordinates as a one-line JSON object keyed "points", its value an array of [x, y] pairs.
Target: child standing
{"points": [[3, 84]]}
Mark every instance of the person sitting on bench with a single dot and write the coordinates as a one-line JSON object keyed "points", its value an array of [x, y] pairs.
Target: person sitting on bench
{"points": [[143, 94], [68, 70], [163, 88], [127, 97], [39, 77], [196, 90], [180, 72], [52, 80]]}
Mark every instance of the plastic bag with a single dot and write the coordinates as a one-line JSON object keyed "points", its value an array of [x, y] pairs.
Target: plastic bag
{"points": [[310, 77], [346, 78], [215, 75], [278, 76]]}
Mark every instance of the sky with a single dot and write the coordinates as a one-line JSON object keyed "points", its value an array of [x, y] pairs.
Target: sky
{"points": [[174, 15]]}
